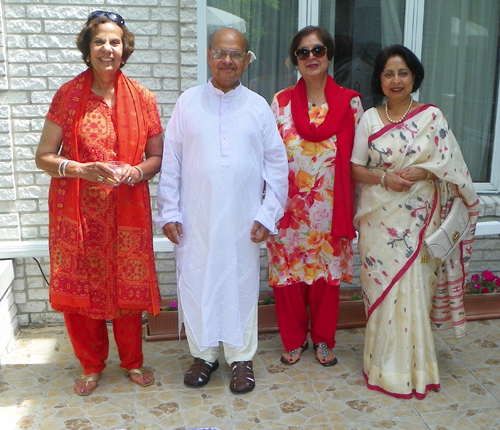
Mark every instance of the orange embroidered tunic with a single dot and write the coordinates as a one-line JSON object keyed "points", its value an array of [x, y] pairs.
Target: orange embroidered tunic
{"points": [[101, 249]]}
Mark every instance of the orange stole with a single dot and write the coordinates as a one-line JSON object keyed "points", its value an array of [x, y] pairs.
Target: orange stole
{"points": [[102, 259]]}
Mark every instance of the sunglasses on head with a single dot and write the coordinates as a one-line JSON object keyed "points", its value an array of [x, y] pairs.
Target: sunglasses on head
{"points": [[303, 53], [111, 15]]}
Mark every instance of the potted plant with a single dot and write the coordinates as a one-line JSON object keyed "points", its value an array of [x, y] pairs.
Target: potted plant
{"points": [[165, 325], [482, 296]]}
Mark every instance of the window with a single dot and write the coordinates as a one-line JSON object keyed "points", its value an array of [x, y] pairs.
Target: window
{"points": [[457, 41]]}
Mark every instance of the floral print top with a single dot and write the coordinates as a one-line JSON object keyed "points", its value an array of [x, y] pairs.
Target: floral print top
{"points": [[303, 250]]}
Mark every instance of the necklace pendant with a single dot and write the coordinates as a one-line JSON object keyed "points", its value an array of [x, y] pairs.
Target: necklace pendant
{"points": [[313, 104]]}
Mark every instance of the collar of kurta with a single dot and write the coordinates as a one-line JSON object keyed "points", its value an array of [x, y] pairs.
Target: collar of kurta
{"points": [[232, 93]]}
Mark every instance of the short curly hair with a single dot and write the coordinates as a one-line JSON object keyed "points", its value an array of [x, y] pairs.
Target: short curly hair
{"points": [[88, 31], [322, 34], [409, 58]]}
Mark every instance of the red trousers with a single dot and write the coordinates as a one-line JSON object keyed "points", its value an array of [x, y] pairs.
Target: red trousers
{"points": [[90, 341], [293, 318]]}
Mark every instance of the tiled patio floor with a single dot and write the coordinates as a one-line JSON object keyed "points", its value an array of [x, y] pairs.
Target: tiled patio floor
{"points": [[36, 389]]}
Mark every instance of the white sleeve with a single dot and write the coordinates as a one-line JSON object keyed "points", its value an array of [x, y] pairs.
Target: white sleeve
{"points": [[360, 149], [168, 194], [275, 172]]}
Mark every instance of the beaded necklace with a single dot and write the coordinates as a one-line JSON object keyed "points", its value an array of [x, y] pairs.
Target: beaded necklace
{"points": [[400, 119]]}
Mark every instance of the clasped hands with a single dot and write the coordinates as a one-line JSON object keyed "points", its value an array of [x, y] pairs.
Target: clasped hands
{"points": [[103, 173], [401, 180], [173, 231]]}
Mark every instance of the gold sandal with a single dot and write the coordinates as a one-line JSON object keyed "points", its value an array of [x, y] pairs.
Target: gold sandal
{"points": [[87, 380], [139, 372]]}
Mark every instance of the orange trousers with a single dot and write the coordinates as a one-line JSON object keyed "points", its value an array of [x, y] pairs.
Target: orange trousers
{"points": [[90, 341], [293, 317]]}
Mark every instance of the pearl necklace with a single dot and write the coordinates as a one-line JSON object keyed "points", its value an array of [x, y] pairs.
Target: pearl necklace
{"points": [[400, 119]]}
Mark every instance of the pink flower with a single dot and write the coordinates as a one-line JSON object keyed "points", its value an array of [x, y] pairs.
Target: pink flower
{"points": [[474, 278], [488, 276], [485, 290], [477, 286], [497, 281], [173, 304]]}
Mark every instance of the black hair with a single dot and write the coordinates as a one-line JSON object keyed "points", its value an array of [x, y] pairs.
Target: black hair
{"points": [[409, 58]]}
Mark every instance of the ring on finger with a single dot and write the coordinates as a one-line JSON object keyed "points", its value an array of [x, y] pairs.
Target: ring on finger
{"points": [[99, 178], [129, 179]]}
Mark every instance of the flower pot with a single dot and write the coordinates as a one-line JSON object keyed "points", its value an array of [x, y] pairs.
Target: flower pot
{"points": [[351, 314], [267, 319], [482, 306], [165, 325]]}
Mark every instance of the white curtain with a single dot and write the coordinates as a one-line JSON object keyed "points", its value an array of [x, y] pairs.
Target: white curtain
{"points": [[269, 26], [391, 26], [460, 57]]}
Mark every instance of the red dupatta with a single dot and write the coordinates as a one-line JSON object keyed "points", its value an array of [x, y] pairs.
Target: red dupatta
{"points": [[338, 122], [64, 198]]}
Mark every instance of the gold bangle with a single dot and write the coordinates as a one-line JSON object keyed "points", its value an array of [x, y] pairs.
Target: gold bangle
{"points": [[382, 180], [429, 174], [140, 172]]}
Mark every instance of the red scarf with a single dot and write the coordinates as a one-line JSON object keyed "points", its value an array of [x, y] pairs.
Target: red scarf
{"points": [[338, 121], [133, 202]]}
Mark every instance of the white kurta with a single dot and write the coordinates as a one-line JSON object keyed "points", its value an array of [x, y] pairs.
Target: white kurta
{"points": [[219, 150]]}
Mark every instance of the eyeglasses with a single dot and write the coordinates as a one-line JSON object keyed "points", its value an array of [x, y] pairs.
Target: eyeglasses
{"points": [[303, 53], [111, 15], [236, 55]]}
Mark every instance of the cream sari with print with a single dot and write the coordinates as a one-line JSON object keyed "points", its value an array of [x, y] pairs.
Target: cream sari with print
{"points": [[399, 283]]}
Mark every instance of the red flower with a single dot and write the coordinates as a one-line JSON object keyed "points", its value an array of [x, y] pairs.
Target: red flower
{"points": [[485, 290], [474, 278], [392, 232]]}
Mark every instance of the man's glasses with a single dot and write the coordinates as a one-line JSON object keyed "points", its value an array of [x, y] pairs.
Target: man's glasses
{"points": [[111, 15], [318, 51], [236, 55]]}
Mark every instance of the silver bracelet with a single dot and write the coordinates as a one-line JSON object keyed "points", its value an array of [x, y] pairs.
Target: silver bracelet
{"points": [[64, 168], [61, 170], [140, 172], [382, 180]]}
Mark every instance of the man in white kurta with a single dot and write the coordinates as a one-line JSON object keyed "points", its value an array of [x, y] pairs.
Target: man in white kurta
{"points": [[221, 147]]}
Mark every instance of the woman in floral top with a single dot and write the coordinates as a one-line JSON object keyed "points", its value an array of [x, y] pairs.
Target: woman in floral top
{"points": [[312, 251], [411, 168]]}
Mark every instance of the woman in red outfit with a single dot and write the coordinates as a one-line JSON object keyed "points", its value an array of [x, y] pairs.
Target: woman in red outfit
{"points": [[312, 252], [100, 231]]}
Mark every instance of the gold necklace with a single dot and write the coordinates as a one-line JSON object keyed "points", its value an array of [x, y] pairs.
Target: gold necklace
{"points": [[400, 119]]}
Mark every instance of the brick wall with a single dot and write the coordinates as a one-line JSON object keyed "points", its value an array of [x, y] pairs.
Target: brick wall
{"points": [[38, 54]]}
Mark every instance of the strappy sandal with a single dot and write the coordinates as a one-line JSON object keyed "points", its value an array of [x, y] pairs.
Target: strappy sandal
{"points": [[87, 380], [243, 380], [199, 373], [323, 347], [293, 352], [139, 372]]}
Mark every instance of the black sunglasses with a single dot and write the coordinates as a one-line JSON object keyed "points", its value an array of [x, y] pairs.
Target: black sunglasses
{"points": [[111, 15], [318, 51]]}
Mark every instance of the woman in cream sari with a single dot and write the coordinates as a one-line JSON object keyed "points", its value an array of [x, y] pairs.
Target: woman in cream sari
{"points": [[410, 167]]}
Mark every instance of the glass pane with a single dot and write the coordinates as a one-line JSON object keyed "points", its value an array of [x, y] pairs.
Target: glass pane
{"points": [[269, 26], [460, 55], [361, 29]]}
